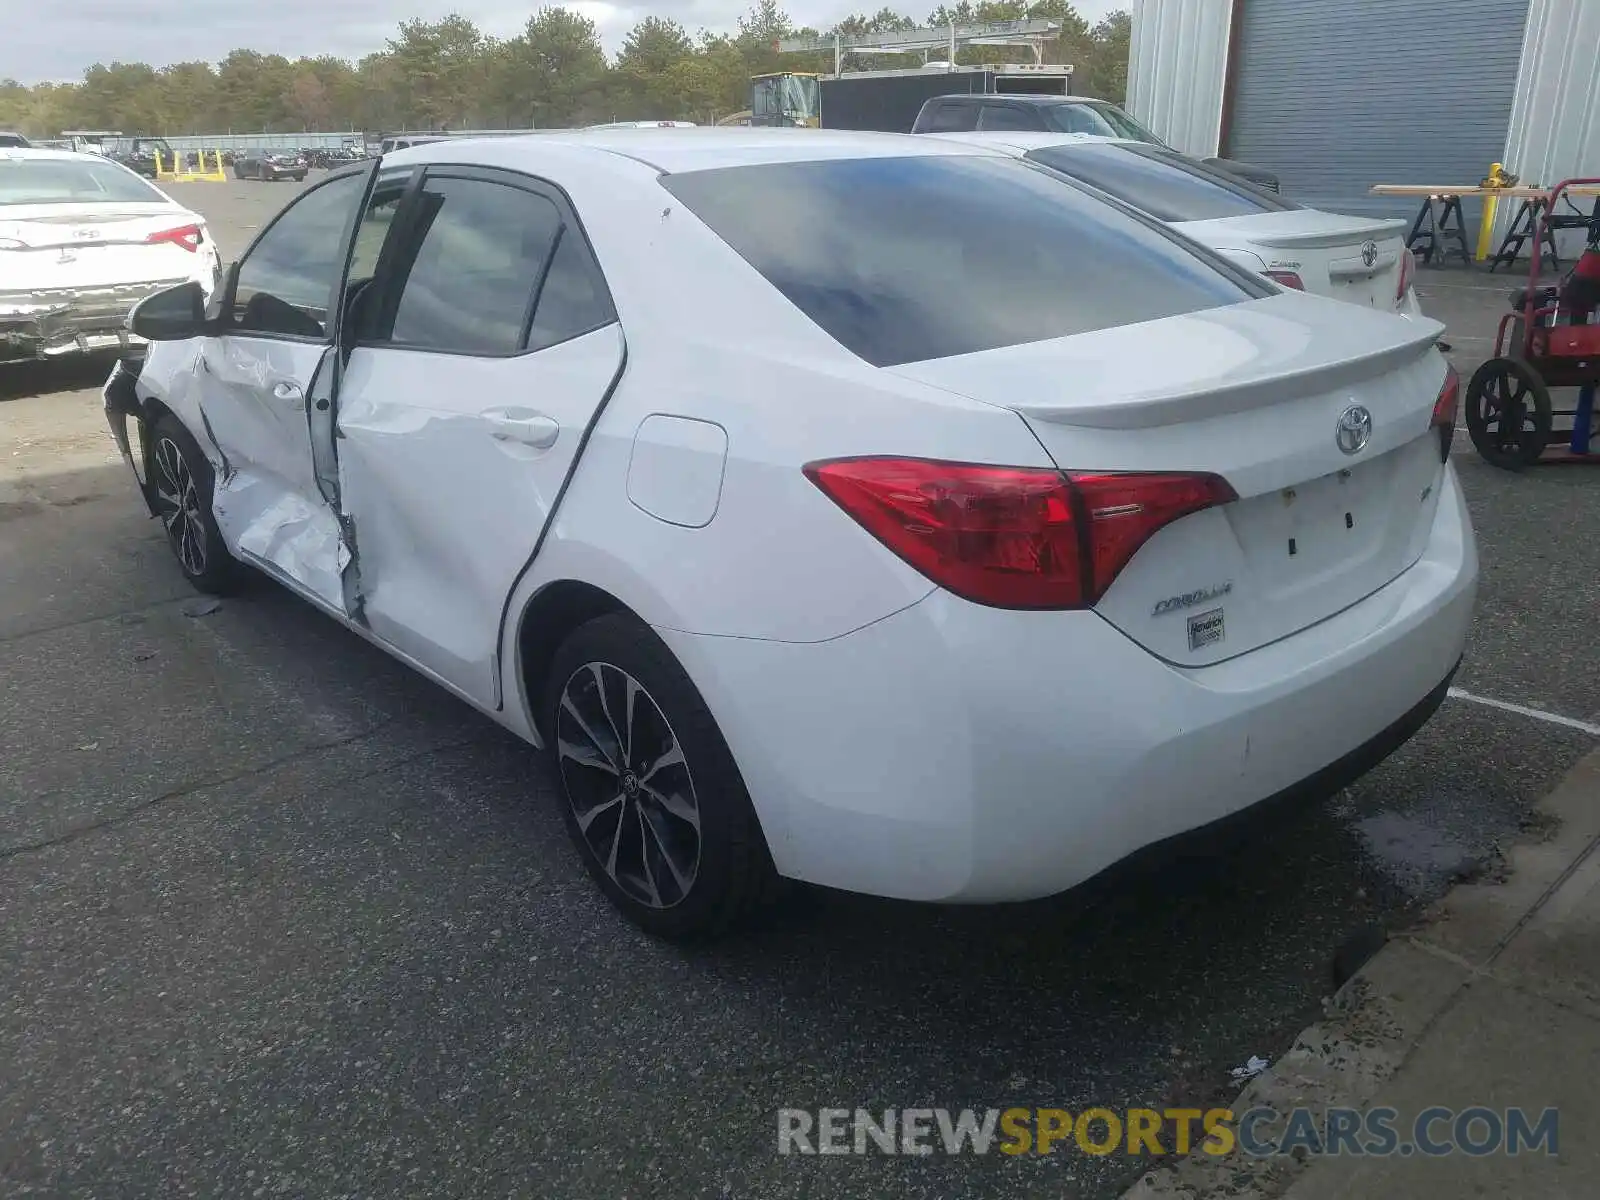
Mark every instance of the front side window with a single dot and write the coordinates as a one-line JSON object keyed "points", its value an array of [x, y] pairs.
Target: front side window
{"points": [[1160, 182], [905, 259], [28, 180], [288, 277], [483, 251]]}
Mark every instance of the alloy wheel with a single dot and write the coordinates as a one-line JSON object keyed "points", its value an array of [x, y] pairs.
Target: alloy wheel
{"points": [[178, 506], [629, 785]]}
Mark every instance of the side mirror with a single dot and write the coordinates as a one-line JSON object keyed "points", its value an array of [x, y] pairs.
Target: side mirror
{"points": [[171, 316]]}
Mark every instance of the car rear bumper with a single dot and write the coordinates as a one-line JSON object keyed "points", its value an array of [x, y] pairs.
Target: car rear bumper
{"points": [[49, 324], [958, 753]]}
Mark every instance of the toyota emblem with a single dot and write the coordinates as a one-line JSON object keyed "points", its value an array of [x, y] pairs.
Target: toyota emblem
{"points": [[1369, 252], [1354, 429]]}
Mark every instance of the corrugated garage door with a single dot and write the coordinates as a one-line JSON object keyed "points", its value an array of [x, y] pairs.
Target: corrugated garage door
{"points": [[1336, 95]]}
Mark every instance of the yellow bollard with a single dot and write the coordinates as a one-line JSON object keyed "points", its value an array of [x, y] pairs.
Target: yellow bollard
{"points": [[1486, 226]]}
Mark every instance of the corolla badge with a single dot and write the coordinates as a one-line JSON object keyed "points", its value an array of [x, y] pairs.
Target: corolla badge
{"points": [[1369, 253], [1354, 429], [1190, 599]]}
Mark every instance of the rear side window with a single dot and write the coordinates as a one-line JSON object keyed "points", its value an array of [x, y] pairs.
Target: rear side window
{"points": [[1164, 184], [1007, 116], [573, 299], [953, 118], [905, 259]]}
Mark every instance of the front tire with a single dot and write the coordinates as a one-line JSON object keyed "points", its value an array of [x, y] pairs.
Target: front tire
{"points": [[181, 486], [649, 789]]}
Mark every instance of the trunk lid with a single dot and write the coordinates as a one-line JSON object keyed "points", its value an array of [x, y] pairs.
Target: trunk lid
{"points": [[1253, 392], [90, 245], [1329, 252]]}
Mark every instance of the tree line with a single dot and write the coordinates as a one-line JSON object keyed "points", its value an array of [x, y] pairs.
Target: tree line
{"points": [[449, 74]]}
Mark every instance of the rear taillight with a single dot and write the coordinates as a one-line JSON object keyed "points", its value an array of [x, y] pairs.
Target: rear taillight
{"points": [[1408, 264], [1444, 411], [1013, 537], [187, 236], [1286, 279]]}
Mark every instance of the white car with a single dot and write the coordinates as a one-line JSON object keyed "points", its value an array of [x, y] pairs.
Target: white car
{"points": [[82, 240], [1360, 259], [853, 508]]}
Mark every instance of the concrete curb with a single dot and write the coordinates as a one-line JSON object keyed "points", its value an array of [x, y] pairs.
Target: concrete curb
{"points": [[1373, 1024]]}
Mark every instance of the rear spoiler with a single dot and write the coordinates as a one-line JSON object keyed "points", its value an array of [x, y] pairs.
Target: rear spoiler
{"points": [[1321, 240]]}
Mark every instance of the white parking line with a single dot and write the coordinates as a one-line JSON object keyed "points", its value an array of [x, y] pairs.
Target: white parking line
{"points": [[1538, 714]]}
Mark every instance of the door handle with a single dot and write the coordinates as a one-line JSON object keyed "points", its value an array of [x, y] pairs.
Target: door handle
{"points": [[535, 429], [284, 390]]}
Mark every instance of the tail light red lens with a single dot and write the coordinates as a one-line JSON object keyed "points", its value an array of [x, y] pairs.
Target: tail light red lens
{"points": [[1286, 279], [1013, 537], [187, 236], [1444, 411], [1408, 265]]}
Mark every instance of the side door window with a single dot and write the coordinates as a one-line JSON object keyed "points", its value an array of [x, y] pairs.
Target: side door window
{"points": [[379, 226], [1007, 116], [573, 299], [288, 279], [953, 118], [479, 250]]}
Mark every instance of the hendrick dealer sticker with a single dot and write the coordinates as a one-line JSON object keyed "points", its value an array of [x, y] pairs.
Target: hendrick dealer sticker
{"points": [[1205, 629]]}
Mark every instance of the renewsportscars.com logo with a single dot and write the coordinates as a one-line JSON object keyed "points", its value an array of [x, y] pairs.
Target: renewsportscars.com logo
{"points": [[1259, 1132]]}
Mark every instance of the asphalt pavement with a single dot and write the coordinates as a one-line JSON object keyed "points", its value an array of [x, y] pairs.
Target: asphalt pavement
{"points": [[280, 918]]}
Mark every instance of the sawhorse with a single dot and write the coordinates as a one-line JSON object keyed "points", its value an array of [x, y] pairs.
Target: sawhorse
{"points": [[1433, 228], [1522, 227]]}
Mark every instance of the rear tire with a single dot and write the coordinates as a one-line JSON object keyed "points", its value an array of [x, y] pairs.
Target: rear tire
{"points": [[181, 485], [649, 789]]}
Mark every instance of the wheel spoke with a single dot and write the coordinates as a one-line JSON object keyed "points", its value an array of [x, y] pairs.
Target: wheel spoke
{"points": [[681, 878], [630, 693], [598, 672], [644, 856], [586, 756], [587, 817], [673, 756], [675, 804], [616, 842], [571, 710]]}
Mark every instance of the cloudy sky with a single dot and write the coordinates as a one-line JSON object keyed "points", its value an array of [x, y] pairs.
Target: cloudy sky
{"points": [[58, 43]]}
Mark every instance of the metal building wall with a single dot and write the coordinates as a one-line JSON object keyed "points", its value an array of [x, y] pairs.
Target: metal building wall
{"points": [[1177, 60], [1338, 95], [1555, 115]]}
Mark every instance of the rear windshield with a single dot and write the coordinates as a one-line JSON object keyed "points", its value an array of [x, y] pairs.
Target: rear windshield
{"points": [[1103, 120], [1162, 183], [71, 181], [905, 259]]}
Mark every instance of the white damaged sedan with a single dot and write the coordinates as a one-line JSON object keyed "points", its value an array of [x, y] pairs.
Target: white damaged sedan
{"points": [[862, 509], [82, 240]]}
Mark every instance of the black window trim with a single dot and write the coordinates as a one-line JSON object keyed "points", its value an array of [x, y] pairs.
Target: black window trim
{"points": [[402, 241], [339, 276]]}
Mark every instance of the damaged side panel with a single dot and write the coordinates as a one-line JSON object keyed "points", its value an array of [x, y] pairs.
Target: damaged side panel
{"points": [[245, 402]]}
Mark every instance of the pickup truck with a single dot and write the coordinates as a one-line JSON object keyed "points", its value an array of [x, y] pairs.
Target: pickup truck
{"points": [[963, 113]]}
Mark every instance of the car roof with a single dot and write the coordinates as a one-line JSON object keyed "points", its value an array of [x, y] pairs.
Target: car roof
{"points": [[15, 152], [1026, 98], [696, 149]]}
